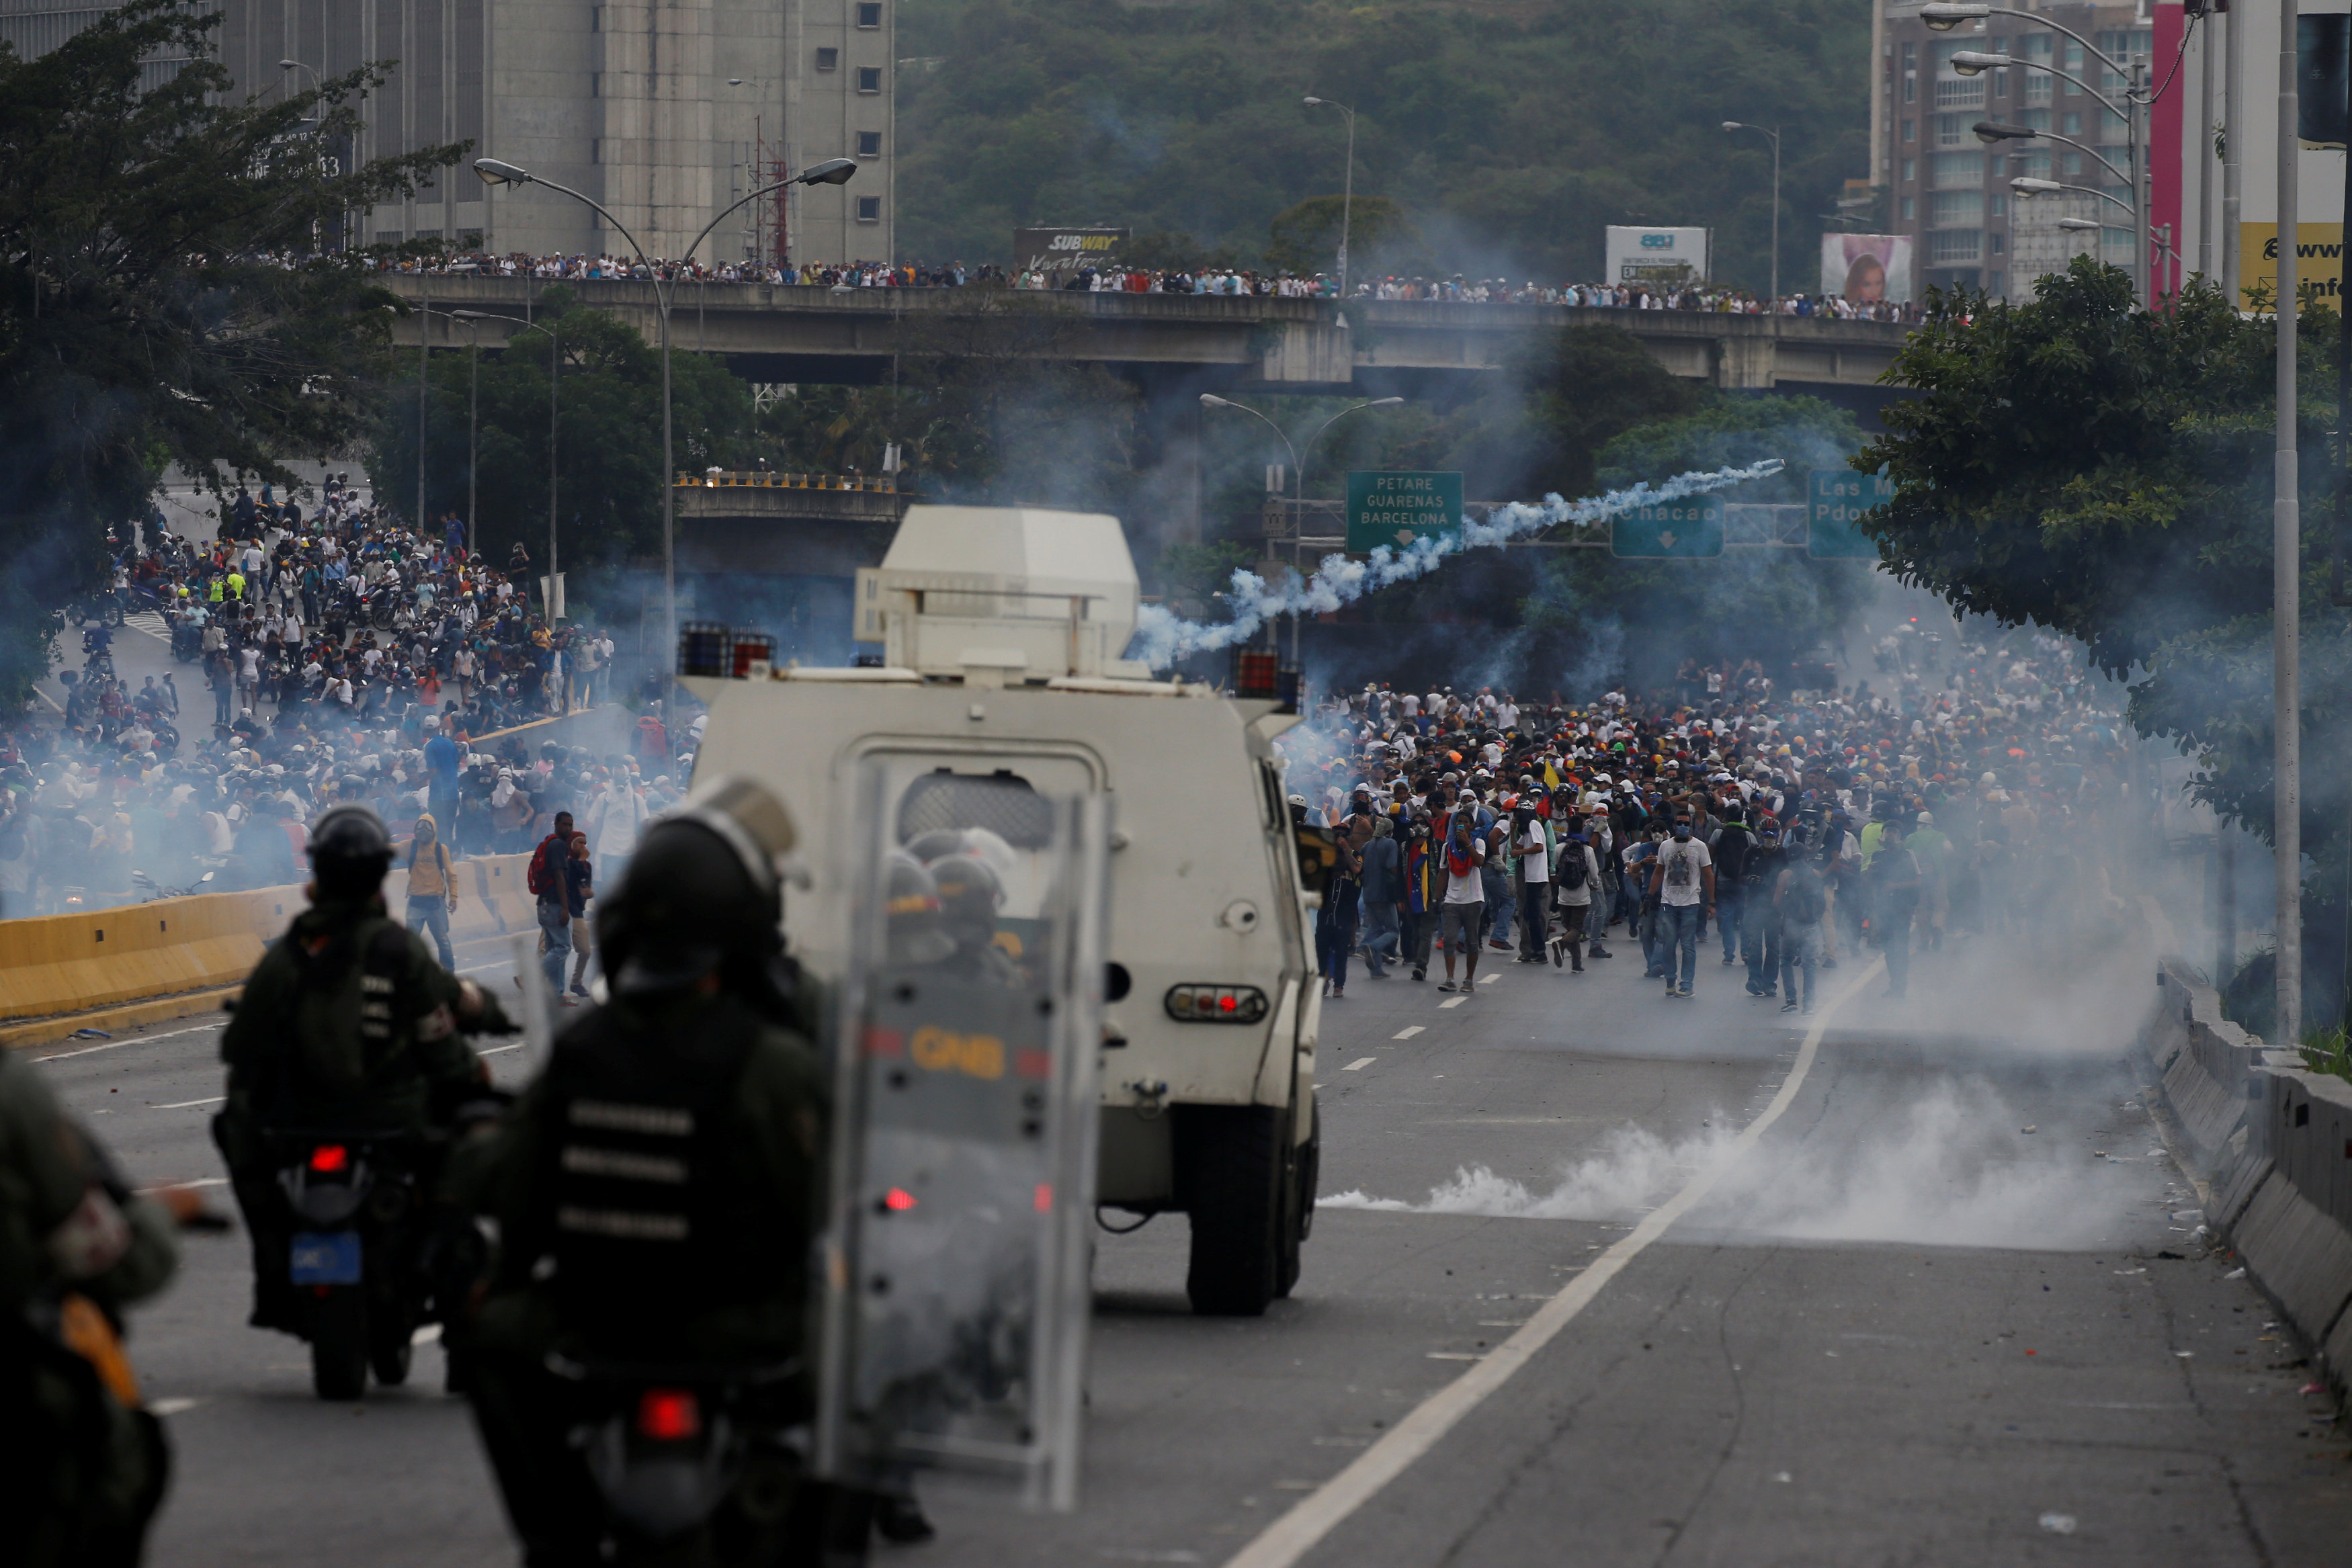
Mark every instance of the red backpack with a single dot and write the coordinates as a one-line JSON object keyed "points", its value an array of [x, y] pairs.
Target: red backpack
{"points": [[539, 876]]}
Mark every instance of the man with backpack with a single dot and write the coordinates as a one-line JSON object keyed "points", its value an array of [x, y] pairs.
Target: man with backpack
{"points": [[1579, 874], [548, 883], [1731, 845]]}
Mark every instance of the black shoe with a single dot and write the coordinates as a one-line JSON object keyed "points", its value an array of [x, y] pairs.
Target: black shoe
{"points": [[1789, 1007], [1828, 963], [1421, 974], [1579, 969], [1598, 951], [899, 1520], [1557, 949]]}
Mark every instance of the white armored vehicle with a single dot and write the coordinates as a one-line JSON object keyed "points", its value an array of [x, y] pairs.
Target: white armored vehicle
{"points": [[1001, 681]]}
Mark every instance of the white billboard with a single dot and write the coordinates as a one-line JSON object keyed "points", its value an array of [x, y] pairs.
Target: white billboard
{"points": [[1867, 268], [1655, 256]]}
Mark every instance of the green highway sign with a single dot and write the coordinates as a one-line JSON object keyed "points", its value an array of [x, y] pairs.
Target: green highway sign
{"points": [[1687, 527], [1394, 508], [1838, 497]]}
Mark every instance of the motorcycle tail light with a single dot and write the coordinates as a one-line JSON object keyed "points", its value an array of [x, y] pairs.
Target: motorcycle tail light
{"points": [[669, 1414], [329, 1159]]}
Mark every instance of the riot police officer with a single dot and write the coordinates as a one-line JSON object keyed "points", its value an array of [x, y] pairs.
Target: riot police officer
{"points": [[88, 1463], [346, 1022], [655, 1195]]}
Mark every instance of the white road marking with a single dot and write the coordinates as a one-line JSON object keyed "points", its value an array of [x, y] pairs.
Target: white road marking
{"points": [[189, 1105], [494, 1050], [172, 1406], [1447, 1356], [1289, 1539], [1360, 1063], [1453, 1002], [1490, 979], [134, 1039], [429, 1335], [1407, 1033]]}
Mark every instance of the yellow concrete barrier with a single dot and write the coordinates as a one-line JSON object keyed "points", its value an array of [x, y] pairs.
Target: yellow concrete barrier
{"points": [[68, 964]]}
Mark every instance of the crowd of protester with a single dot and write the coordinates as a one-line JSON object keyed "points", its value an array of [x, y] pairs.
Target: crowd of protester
{"points": [[1976, 791], [1225, 280], [343, 656]]}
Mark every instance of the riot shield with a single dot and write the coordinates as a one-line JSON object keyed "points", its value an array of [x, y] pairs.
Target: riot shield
{"points": [[957, 1294]]}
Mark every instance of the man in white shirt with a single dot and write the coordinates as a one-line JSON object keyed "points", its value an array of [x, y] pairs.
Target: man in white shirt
{"points": [[1681, 875], [1535, 885], [1462, 911]]}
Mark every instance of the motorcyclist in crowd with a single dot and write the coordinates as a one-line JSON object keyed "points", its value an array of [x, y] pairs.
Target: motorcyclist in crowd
{"points": [[346, 1022], [656, 1190]]}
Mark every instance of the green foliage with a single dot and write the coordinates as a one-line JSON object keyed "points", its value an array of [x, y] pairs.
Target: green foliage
{"points": [[985, 410], [2081, 464], [1510, 134], [607, 434], [1305, 239], [140, 325], [1732, 432]]}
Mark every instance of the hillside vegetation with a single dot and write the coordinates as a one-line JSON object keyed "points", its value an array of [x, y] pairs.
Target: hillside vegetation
{"points": [[1509, 134]]}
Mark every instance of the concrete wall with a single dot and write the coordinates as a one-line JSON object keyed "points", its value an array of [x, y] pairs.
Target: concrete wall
{"points": [[2272, 1146]]}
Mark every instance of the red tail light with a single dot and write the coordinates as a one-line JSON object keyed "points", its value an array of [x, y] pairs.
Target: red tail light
{"points": [[898, 1200], [669, 1415], [328, 1159]]}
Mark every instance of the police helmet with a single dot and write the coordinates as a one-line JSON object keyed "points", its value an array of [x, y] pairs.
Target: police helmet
{"points": [[970, 896], [937, 844], [703, 888], [911, 906], [350, 851]]}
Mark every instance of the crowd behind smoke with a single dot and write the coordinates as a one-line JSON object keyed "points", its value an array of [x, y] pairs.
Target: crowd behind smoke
{"points": [[1217, 280], [346, 656]]}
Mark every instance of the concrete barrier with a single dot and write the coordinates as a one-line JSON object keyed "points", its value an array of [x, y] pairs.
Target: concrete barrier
{"points": [[2272, 1144], [59, 972]]}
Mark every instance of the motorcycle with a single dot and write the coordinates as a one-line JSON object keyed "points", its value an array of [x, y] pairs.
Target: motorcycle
{"points": [[678, 1452], [104, 606], [355, 1257]]}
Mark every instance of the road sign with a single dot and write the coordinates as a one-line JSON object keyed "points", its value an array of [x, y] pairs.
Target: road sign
{"points": [[1687, 527], [1394, 508], [1837, 499]]}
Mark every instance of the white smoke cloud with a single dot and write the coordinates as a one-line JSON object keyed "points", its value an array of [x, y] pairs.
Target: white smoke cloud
{"points": [[1163, 637], [1635, 1170]]}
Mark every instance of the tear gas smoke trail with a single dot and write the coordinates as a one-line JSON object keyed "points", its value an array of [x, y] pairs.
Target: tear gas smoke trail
{"points": [[1163, 637]]}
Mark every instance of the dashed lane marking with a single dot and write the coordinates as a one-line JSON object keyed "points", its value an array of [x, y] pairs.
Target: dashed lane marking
{"points": [[1453, 1002], [1360, 1063], [189, 1105], [1291, 1537], [1407, 1033]]}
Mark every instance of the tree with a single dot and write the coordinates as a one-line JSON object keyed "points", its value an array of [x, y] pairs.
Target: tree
{"points": [[1305, 239], [1188, 119], [2079, 463], [607, 433], [161, 300]]}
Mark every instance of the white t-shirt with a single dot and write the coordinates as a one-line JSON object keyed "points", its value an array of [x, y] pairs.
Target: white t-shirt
{"points": [[1507, 716], [1535, 851], [1466, 889], [1684, 862]]}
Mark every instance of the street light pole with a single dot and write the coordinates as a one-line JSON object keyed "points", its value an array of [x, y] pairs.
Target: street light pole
{"points": [[1347, 189], [832, 171], [1297, 473], [1775, 135], [2287, 561]]}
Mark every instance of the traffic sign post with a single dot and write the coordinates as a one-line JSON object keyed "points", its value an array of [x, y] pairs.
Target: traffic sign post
{"points": [[1394, 508], [1837, 498], [1687, 527]]}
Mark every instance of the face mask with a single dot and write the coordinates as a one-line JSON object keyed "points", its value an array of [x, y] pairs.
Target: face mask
{"points": [[1682, 831]]}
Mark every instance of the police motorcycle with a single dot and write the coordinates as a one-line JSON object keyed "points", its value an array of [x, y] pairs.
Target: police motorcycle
{"points": [[354, 1259]]}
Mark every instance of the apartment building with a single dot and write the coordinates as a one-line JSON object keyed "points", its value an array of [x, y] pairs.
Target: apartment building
{"points": [[663, 110], [1949, 189]]}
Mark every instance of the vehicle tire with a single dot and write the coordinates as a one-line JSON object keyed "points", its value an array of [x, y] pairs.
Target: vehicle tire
{"points": [[115, 613], [339, 1345], [1298, 1177], [1230, 1161], [389, 1351]]}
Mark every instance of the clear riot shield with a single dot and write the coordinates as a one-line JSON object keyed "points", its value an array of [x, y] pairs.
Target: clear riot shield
{"points": [[957, 1293]]}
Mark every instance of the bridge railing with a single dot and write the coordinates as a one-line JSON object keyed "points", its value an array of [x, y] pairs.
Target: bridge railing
{"points": [[883, 484]]}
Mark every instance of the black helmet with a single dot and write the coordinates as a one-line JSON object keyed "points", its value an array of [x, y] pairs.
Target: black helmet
{"points": [[349, 852], [970, 894], [703, 888]]}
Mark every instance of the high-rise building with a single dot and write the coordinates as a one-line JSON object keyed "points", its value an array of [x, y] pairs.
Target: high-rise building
{"points": [[1949, 190], [663, 110]]}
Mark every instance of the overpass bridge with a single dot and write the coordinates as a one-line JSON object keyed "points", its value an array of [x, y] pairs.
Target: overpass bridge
{"points": [[1177, 344]]}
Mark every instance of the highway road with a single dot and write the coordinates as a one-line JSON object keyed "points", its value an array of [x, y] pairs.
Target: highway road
{"points": [[1597, 1278]]}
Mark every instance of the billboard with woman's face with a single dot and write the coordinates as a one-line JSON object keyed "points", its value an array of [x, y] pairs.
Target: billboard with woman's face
{"points": [[1867, 269]]}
